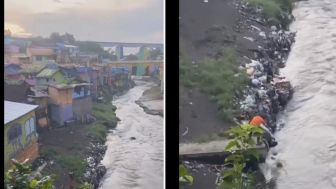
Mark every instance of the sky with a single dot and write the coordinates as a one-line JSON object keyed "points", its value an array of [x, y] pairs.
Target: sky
{"points": [[95, 20]]}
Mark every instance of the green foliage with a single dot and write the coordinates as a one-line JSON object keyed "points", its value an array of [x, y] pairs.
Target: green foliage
{"points": [[241, 148], [104, 112], [187, 72], [106, 119], [154, 54], [89, 46], [243, 137], [220, 78], [74, 164], [21, 177], [184, 175], [99, 131], [274, 8], [86, 185]]}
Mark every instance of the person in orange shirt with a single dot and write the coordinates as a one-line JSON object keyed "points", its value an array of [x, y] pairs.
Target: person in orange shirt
{"points": [[259, 121]]}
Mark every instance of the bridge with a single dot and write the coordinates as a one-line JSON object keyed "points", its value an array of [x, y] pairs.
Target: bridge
{"points": [[120, 47]]}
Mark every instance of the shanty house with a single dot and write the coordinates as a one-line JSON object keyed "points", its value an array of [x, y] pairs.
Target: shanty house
{"points": [[41, 99], [20, 137], [82, 103], [49, 76], [17, 92], [13, 72], [18, 58], [60, 103], [31, 70], [41, 54]]}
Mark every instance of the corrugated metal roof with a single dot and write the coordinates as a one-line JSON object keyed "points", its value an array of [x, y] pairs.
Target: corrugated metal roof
{"points": [[33, 68], [14, 110], [47, 73]]}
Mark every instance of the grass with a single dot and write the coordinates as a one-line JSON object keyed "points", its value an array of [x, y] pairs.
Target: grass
{"points": [[187, 76], [274, 8], [106, 120], [219, 78], [99, 131], [76, 164]]}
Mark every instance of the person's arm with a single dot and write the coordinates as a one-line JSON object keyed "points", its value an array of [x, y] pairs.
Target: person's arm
{"points": [[266, 129]]}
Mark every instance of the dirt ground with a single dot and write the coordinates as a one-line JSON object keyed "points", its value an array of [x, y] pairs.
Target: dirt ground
{"points": [[201, 37], [68, 142], [205, 29]]}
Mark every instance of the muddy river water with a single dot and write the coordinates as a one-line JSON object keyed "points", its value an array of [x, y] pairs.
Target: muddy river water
{"points": [[134, 163], [307, 142]]}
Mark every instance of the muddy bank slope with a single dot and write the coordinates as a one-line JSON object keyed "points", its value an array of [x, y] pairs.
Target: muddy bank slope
{"points": [[221, 24], [207, 28]]}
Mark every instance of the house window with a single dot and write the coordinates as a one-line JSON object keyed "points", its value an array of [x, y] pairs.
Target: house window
{"points": [[14, 133], [30, 126], [38, 58]]}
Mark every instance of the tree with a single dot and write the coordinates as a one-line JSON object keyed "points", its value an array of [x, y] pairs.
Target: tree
{"points": [[68, 38], [56, 37], [89, 46], [154, 54], [131, 57], [22, 177]]}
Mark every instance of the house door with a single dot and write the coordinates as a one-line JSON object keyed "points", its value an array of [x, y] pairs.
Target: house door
{"points": [[147, 71], [134, 70]]}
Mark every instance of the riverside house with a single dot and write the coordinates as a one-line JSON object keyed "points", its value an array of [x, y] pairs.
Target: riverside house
{"points": [[49, 76], [20, 137], [41, 54], [60, 104]]}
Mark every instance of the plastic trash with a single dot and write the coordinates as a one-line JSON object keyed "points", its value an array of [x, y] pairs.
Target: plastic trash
{"points": [[250, 71], [255, 82]]}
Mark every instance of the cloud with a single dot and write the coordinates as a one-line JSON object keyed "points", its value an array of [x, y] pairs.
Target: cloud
{"points": [[135, 23], [57, 1]]}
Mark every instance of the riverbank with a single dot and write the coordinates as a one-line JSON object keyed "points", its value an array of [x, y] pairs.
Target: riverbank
{"points": [[152, 101], [79, 149], [259, 47]]}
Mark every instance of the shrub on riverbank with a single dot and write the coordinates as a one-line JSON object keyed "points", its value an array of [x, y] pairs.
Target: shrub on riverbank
{"points": [[274, 9], [106, 119]]}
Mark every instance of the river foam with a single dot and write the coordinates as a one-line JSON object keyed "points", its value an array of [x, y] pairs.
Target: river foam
{"points": [[307, 143], [135, 164]]}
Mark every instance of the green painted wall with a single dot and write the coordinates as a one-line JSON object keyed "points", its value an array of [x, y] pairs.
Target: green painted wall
{"points": [[21, 121], [59, 78], [140, 70]]}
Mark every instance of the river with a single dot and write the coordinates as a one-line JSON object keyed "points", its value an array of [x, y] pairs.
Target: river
{"points": [[307, 142], [134, 163]]}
